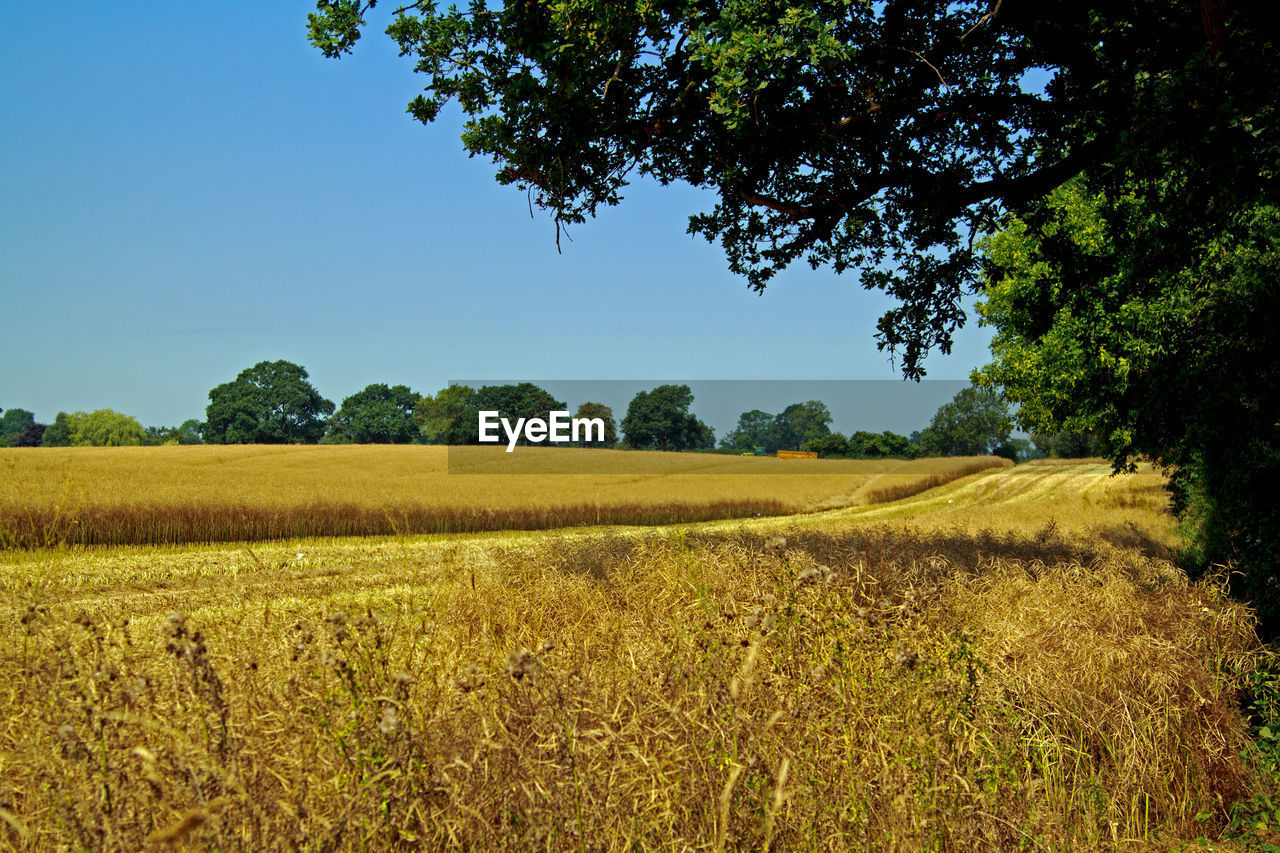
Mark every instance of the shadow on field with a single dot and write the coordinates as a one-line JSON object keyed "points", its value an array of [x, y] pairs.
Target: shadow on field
{"points": [[914, 556]]}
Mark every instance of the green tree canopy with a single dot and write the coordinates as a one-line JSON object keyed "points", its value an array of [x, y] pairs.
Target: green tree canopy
{"points": [[448, 417], [269, 403], [522, 400], [58, 433], [604, 413], [754, 429], [660, 420], [876, 136], [13, 423], [101, 428], [798, 423], [1154, 338], [189, 432], [878, 445], [830, 446], [377, 415], [974, 423]]}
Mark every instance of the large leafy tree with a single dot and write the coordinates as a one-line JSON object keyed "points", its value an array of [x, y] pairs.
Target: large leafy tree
{"points": [[379, 414], [605, 413], [100, 428], [976, 422], [58, 433], [660, 420], [889, 137], [1153, 342], [448, 417], [799, 423], [269, 403], [13, 424], [522, 400], [754, 429], [877, 136]]}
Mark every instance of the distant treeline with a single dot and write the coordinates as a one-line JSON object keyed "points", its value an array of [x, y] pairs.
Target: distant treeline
{"points": [[274, 403]]}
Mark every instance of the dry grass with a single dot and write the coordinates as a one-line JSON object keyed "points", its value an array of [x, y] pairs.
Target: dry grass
{"points": [[173, 495], [898, 682]]}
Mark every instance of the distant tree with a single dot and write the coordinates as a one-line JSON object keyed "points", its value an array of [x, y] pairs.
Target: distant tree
{"points": [[448, 417], [524, 400], [189, 432], [604, 413], [269, 403], [703, 436], [833, 445], [58, 433], [660, 420], [974, 423], [798, 423], [158, 435], [754, 429], [1016, 450], [1043, 442], [879, 445], [104, 428], [14, 423], [32, 436], [377, 415]]}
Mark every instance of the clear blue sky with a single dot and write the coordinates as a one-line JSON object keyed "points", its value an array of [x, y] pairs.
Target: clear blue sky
{"points": [[188, 188]]}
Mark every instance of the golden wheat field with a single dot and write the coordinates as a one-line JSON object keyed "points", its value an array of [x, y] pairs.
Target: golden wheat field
{"points": [[172, 495], [1012, 660]]}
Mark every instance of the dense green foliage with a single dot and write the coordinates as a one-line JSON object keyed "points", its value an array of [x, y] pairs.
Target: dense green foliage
{"points": [[976, 422], [600, 410], [863, 445], [13, 424], [790, 429], [379, 414], [101, 428], [521, 401], [448, 417], [754, 429], [851, 134], [1154, 342], [660, 420], [269, 403]]}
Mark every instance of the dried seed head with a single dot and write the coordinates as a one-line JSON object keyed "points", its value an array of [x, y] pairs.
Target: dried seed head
{"points": [[337, 618], [470, 679], [902, 657], [66, 731], [774, 544], [548, 645], [818, 672], [807, 575], [390, 720], [522, 663], [403, 677], [768, 623]]}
